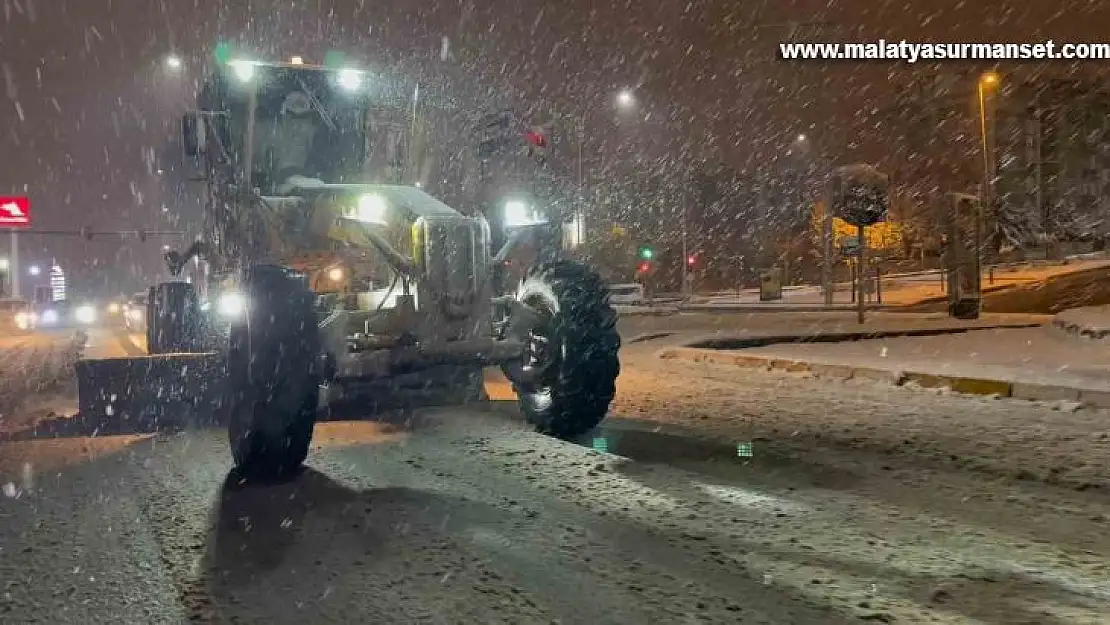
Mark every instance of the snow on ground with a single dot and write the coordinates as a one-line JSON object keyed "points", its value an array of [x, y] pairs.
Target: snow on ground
{"points": [[1088, 321], [861, 501], [936, 507], [799, 414]]}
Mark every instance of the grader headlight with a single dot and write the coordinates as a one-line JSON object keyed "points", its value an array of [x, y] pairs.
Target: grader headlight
{"points": [[231, 305], [519, 213], [244, 70], [369, 208], [349, 79]]}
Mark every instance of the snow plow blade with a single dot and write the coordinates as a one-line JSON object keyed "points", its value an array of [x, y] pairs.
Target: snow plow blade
{"points": [[149, 393]]}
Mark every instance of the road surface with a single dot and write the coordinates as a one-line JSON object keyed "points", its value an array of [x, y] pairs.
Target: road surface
{"points": [[858, 503]]}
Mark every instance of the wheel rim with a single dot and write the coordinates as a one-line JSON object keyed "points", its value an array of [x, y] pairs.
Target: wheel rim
{"points": [[542, 348]]}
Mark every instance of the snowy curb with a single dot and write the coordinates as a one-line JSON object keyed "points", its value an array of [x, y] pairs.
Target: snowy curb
{"points": [[774, 307], [959, 384], [1066, 322], [645, 311]]}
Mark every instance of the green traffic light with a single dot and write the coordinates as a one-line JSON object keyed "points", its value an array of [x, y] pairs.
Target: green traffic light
{"points": [[646, 253], [223, 52]]}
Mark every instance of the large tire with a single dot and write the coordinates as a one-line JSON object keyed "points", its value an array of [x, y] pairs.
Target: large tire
{"points": [[567, 391], [273, 382], [173, 314]]}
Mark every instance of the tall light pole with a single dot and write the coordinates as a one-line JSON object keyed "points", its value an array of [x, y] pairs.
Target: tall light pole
{"points": [[625, 100], [15, 264], [685, 244], [987, 82], [799, 148]]}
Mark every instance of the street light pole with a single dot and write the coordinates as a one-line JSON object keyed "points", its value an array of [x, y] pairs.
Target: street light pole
{"points": [[580, 208], [13, 269], [685, 248], [986, 195]]}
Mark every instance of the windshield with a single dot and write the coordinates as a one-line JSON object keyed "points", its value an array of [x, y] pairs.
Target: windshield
{"points": [[306, 125]]}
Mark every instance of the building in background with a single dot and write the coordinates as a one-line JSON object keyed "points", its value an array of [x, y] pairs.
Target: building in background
{"points": [[57, 283], [1053, 155], [1051, 152]]}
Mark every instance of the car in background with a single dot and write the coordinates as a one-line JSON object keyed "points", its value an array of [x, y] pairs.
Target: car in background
{"points": [[114, 309], [631, 294], [16, 315], [66, 314]]}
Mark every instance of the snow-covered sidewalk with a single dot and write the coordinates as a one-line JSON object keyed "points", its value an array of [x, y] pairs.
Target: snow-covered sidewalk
{"points": [[1029, 363]]}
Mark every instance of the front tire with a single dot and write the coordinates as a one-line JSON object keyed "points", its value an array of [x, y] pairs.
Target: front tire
{"points": [[273, 383], [567, 378]]}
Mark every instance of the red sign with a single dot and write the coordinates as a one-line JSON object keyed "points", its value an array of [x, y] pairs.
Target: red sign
{"points": [[15, 212]]}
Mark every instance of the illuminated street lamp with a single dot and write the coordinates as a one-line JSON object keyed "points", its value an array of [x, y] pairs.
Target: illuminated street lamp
{"points": [[34, 270], [173, 62], [625, 101], [988, 81]]}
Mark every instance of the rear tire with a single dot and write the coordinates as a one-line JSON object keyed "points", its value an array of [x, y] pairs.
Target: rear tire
{"points": [[271, 373], [565, 391]]}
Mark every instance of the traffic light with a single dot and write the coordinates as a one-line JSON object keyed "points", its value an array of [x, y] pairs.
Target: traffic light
{"points": [[691, 260], [644, 267], [646, 252], [536, 138], [223, 52]]}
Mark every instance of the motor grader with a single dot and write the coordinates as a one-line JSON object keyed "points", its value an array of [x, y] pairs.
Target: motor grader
{"points": [[320, 279]]}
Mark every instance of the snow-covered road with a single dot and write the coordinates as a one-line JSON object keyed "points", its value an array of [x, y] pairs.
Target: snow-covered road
{"points": [[859, 502]]}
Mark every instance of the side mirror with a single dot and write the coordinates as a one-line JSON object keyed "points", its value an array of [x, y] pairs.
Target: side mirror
{"points": [[193, 134]]}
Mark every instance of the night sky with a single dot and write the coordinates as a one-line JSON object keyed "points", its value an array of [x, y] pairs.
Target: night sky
{"points": [[89, 107]]}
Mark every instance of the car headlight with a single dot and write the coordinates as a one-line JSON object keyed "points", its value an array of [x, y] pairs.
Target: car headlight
{"points": [[231, 304], [24, 320], [85, 314], [518, 213], [49, 317]]}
